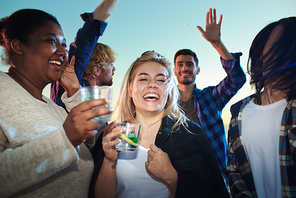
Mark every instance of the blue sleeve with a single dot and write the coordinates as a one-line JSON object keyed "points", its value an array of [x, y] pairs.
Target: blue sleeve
{"points": [[85, 41]]}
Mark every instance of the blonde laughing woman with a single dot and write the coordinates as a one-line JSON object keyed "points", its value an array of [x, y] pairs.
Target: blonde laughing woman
{"points": [[174, 158]]}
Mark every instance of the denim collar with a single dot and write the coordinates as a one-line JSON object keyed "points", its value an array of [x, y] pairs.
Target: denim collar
{"points": [[164, 131]]}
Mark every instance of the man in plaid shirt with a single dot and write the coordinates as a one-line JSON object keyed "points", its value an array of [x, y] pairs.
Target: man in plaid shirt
{"points": [[205, 106]]}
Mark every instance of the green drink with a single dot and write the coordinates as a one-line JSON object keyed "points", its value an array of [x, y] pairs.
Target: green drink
{"points": [[96, 92], [129, 138]]}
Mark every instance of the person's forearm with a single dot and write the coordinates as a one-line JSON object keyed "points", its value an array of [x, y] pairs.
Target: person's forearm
{"points": [[106, 181], [104, 10], [222, 50], [172, 182], [85, 41], [71, 91], [71, 102]]}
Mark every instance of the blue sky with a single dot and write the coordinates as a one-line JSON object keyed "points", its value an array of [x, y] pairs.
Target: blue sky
{"points": [[167, 26]]}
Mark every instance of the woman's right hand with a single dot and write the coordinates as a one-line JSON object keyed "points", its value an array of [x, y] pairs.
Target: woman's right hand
{"points": [[78, 125], [108, 142]]}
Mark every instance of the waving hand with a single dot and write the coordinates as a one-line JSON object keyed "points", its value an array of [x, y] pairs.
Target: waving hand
{"points": [[212, 33]]}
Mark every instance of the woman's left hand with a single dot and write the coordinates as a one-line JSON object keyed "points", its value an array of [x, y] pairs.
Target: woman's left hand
{"points": [[69, 79], [160, 166]]}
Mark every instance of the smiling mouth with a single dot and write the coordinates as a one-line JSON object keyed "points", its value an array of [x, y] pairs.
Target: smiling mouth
{"points": [[59, 63], [184, 74], [151, 96]]}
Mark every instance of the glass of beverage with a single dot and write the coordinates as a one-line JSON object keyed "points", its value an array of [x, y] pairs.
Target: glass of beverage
{"points": [[96, 92], [129, 138]]}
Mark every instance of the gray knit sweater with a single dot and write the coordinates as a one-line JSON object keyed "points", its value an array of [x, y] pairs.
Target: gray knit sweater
{"points": [[36, 157]]}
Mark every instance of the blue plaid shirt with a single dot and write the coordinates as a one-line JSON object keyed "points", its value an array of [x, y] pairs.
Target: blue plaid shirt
{"points": [[239, 172], [209, 103]]}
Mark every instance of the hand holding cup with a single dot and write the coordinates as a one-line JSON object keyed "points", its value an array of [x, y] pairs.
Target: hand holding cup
{"points": [[78, 125]]}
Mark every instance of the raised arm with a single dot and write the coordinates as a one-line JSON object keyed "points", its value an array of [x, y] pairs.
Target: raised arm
{"points": [[87, 36], [85, 41], [213, 34], [104, 10]]}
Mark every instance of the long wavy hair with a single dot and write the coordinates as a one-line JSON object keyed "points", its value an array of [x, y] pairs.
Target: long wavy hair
{"points": [[277, 68], [127, 109]]}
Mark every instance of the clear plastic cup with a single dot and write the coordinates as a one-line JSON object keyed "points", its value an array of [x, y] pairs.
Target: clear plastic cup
{"points": [[129, 138], [96, 92]]}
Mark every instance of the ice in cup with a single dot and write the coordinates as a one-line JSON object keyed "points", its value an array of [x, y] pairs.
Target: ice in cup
{"points": [[129, 138], [96, 92]]}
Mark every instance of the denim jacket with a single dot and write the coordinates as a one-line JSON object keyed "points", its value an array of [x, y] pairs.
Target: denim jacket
{"points": [[191, 155]]}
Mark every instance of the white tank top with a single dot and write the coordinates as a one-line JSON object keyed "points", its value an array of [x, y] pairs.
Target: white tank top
{"points": [[260, 137], [133, 180]]}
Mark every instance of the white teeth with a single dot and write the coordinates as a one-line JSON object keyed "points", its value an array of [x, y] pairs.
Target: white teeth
{"points": [[151, 95], [55, 62]]}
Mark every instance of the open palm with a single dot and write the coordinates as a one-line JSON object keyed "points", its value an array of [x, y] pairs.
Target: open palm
{"points": [[212, 33]]}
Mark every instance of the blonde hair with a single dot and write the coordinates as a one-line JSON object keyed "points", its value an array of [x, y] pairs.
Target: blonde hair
{"points": [[127, 109], [99, 58]]}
